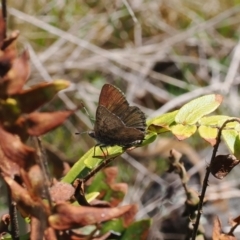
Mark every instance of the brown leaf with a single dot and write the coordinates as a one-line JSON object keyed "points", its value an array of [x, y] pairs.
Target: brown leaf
{"points": [[39, 123], [26, 205], [50, 234], [67, 216], [33, 180], [9, 40], [79, 194], [58, 162], [217, 232], [37, 228], [237, 220], [111, 174], [33, 98], [17, 76], [217, 229], [2, 29], [129, 216], [4, 223], [61, 192], [222, 165], [8, 168], [15, 150]]}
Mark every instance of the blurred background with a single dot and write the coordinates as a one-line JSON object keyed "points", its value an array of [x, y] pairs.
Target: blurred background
{"points": [[161, 54]]}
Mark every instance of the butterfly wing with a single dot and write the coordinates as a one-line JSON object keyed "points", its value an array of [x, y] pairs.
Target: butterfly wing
{"points": [[134, 117], [110, 130], [114, 100]]}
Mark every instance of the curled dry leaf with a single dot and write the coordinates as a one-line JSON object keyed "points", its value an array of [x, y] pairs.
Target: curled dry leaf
{"points": [[222, 165], [50, 234], [8, 167], [15, 150], [4, 223], [61, 192], [37, 182], [10, 40], [79, 194], [37, 228], [25, 203], [17, 76], [67, 216], [33, 98], [39, 123], [109, 190], [218, 233]]}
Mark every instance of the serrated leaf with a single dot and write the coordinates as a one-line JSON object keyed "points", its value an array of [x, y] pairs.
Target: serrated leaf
{"points": [[209, 134], [183, 131], [232, 139], [162, 124], [191, 112]]}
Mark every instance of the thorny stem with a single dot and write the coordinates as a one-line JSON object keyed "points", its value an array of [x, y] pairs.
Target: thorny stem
{"points": [[205, 181], [13, 217]]}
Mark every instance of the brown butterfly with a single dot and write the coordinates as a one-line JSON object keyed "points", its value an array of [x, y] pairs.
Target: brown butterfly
{"points": [[117, 123]]}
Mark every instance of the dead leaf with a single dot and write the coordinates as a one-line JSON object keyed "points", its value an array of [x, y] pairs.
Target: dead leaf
{"points": [[39, 123], [18, 74], [33, 98], [217, 231], [222, 165], [15, 150], [68, 216], [25, 203], [61, 192]]}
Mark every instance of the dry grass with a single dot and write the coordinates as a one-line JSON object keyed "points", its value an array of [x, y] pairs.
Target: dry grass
{"points": [[161, 53]]}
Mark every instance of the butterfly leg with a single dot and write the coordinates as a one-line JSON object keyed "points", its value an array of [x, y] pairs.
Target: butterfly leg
{"points": [[101, 147]]}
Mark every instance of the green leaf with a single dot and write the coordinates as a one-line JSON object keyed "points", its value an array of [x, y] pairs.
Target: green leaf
{"points": [[216, 120], [91, 196], [183, 131], [232, 139], [113, 225], [138, 230], [209, 134], [88, 161], [191, 112], [162, 124]]}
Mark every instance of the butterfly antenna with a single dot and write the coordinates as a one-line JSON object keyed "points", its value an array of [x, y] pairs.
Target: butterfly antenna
{"points": [[86, 111], [91, 119]]}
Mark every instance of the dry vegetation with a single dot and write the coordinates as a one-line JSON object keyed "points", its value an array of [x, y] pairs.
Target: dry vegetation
{"points": [[161, 54]]}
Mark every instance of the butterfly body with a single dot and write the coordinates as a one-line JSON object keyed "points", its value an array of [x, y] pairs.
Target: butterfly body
{"points": [[117, 123]]}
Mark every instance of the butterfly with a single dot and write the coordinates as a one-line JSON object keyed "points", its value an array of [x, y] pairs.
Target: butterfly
{"points": [[117, 123]]}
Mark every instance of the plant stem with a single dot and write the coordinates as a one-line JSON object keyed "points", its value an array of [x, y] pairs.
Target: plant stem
{"points": [[205, 181]]}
